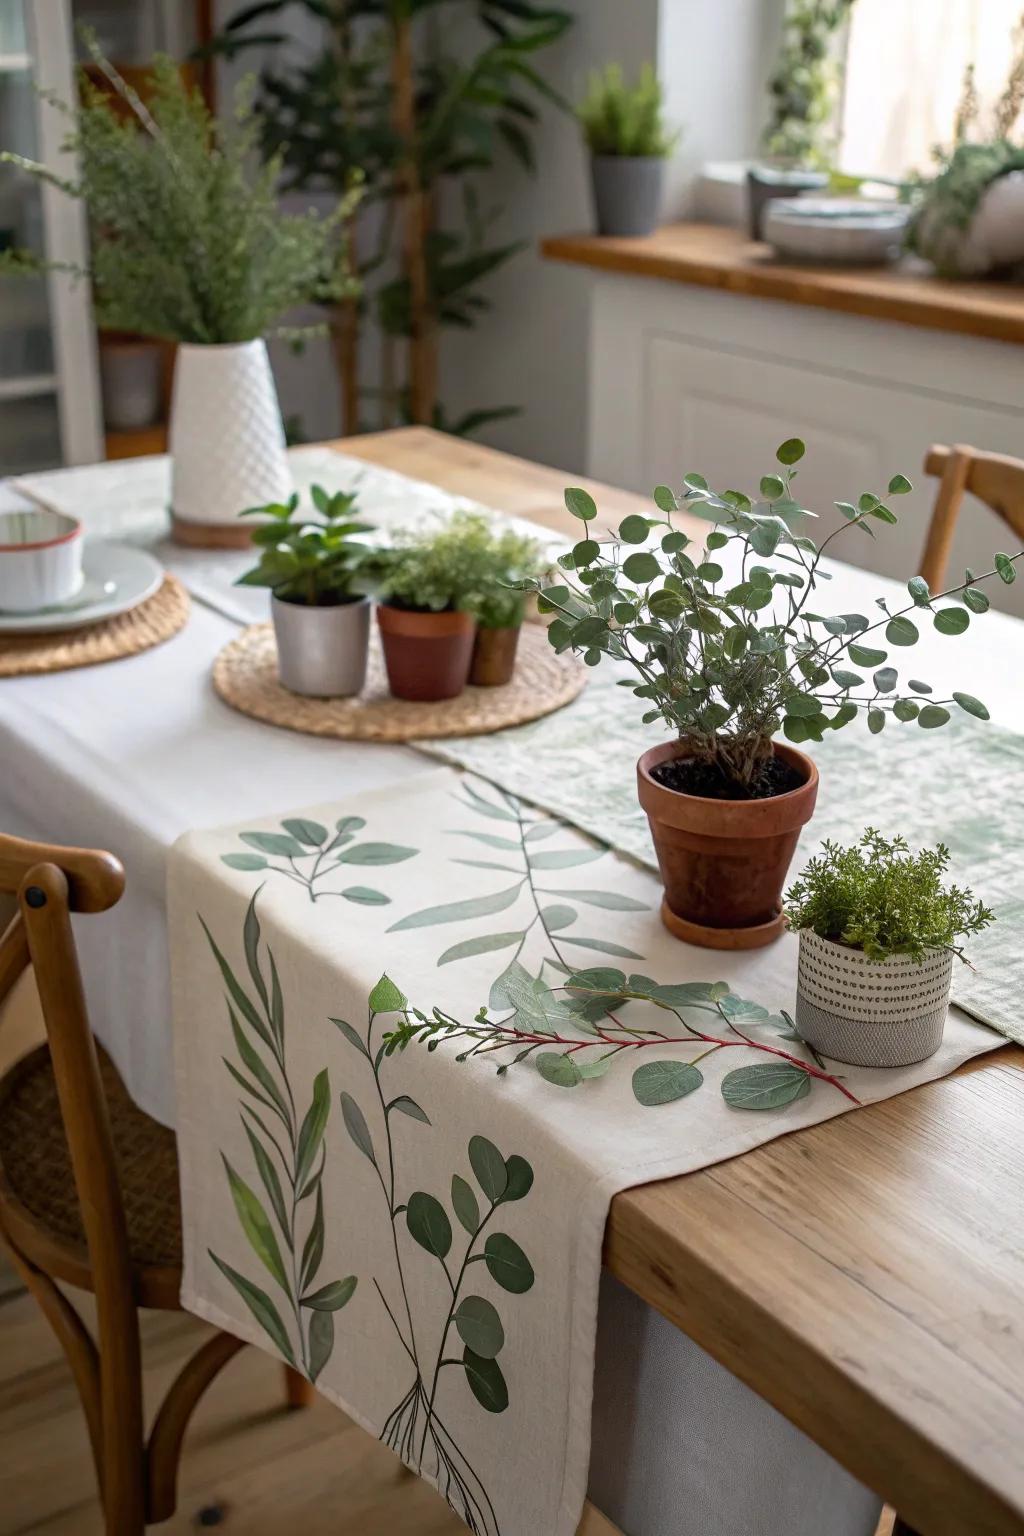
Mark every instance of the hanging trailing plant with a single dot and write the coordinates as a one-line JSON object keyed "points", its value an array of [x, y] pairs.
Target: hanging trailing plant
{"points": [[803, 88]]}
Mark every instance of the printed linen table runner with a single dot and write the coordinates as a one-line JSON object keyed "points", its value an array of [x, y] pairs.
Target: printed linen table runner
{"points": [[410, 1206]]}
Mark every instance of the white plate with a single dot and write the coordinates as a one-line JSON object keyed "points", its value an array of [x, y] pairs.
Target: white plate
{"points": [[117, 577]]}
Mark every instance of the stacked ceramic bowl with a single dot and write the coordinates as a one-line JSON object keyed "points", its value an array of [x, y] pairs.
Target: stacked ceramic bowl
{"points": [[847, 230]]}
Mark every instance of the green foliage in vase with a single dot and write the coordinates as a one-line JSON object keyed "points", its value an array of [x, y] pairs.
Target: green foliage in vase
{"points": [[803, 88], [465, 564], [728, 660], [879, 897], [317, 562], [622, 119], [188, 241], [945, 204]]}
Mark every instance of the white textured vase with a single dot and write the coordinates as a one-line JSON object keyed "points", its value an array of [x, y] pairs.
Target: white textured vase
{"points": [[871, 1013], [226, 435]]}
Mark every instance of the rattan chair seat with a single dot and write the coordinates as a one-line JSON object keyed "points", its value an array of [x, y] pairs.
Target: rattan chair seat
{"points": [[36, 1165]]}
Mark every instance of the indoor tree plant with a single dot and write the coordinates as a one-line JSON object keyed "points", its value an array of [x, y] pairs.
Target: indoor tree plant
{"points": [[188, 244], [314, 568], [625, 131], [728, 660], [878, 933]]}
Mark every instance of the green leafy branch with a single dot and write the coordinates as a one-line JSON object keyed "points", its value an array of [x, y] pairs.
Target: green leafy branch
{"points": [[290, 1163], [311, 854]]}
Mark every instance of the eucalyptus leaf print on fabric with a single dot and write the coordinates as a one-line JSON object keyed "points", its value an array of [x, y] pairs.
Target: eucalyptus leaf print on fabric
{"points": [[472, 1328], [309, 854], [284, 1224]]}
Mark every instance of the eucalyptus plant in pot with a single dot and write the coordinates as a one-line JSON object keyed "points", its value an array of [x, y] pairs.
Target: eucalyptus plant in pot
{"points": [[629, 142], [729, 660], [314, 568], [878, 935]]}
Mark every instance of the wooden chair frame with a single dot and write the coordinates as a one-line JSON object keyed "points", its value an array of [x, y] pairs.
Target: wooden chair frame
{"points": [[137, 1475], [994, 478]]}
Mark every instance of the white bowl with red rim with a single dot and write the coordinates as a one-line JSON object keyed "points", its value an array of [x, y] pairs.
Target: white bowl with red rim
{"points": [[40, 559]]}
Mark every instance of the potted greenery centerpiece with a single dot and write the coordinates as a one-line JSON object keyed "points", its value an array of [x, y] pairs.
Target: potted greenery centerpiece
{"points": [[728, 659], [625, 131], [878, 933], [189, 244], [506, 560], [428, 584], [313, 567]]}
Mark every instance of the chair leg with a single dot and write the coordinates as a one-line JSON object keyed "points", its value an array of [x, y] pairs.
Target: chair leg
{"points": [[901, 1528], [299, 1391]]}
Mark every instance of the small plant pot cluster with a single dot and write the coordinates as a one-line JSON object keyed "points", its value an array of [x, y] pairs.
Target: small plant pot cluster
{"points": [[450, 600], [728, 645], [625, 131]]}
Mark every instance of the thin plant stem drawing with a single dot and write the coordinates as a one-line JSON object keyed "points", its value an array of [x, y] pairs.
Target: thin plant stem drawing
{"points": [[307, 853]]}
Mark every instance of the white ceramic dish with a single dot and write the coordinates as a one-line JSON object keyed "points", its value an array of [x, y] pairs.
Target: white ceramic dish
{"points": [[116, 577], [40, 559], [854, 230]]}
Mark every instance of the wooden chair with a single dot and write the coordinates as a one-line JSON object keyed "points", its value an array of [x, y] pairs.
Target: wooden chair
{"points": [[89, 1193], [996, 480]]}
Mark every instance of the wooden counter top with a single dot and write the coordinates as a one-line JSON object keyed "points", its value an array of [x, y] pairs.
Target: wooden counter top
{"points": [[718, 256]]}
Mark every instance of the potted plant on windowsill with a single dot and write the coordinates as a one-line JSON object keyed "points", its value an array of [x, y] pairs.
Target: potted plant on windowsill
{"points": [[727, 661], [878, 935], [625, 131], [314, 569], [189, 244]]}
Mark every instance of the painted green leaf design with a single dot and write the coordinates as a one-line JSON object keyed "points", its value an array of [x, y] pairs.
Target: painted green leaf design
{"points": [[487, 807], [559, 915], [252, 1091], [277, 843], [365, 897], [355, 1124], [313, 1248], [376, 853], [459, 911], [605, 946], [512, 979], [768, 1085], [541, 830], [249, 862], [486, 1381], [314, 1125], [251, 945], [662, 1082], [488, 1167], [255, 1064], [520, 1178], [256, 1225], [506, 869], [235, 992], [492, 841], [480, 1326], [464, 1204], [332, 1297], [352, 1037], [346, 825], [268, 1176], [608, 899], [321, 1342], [428, 1224], [409, 1107], [261, 1307], [507, 1264], [480, 946], [386, 997], [309, 832], [558, 1068], [276, 1002], [566, 858]]}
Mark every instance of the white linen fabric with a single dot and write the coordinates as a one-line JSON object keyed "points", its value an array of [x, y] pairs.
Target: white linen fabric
{"points": [[347, 1234]]}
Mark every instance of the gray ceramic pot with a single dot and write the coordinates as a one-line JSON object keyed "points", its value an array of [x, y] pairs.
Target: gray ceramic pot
{"points": [[627, 193], [322, 651]]}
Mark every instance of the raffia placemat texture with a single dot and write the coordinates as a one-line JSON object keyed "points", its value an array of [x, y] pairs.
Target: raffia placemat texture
{"points": [[245, 676], [151, 623]]}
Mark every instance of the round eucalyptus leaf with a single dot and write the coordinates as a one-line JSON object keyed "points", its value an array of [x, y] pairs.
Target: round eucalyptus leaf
{"points": [[803, 705], [772, 487], [768, 1085], [634, 529], [1005, 568], [486, 1381], [586, 552], [902, 631], [918, 589], [716, 539], [899, 485], [507, 1264], [558, 1068], [952, 621], [673, 542], [480, 1326], [932, 716], [428, 1224], [885, 679], [664, 498], [489, 1167], [865, 655], [972, 706], [641, 568], [662, 1082], [580, 503], [976, 600], [906, 709], [791, 451], [876, 721], [520, 1178]]}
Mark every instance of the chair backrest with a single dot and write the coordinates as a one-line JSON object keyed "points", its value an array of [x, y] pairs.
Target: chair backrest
{"points": [[994, 478]]}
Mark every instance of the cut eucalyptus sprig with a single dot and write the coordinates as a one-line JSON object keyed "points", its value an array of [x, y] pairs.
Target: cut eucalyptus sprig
{"points": [[727, 665]]}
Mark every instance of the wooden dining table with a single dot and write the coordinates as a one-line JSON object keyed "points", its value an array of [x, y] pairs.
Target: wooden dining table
{"points": [[864, 1276]]}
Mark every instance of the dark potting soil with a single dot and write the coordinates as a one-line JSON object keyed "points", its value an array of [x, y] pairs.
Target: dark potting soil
{"points": [[687, 776]]}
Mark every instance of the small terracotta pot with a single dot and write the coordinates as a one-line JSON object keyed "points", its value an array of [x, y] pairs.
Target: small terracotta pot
{"points": [[494, 657], [427, 655], [724, 862]]}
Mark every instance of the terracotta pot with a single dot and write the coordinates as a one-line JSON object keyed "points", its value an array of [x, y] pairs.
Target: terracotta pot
{"points": [[427, 655], [494, 657], [724, 862]]}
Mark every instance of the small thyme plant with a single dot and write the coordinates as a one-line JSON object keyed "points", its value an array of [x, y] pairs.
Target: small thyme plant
{"points": [[464, 564], [619, 119], [880, 897], [317, 562], [726, 661]]}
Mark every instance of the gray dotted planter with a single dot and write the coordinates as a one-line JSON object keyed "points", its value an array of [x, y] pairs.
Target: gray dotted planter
{"points": [[871, 1013]]}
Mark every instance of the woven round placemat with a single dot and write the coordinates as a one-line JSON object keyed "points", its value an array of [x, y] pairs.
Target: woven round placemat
{"points": [[152, 622], [245, 676]]}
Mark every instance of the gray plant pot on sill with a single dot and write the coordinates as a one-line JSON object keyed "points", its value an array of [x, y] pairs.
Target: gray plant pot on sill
{"points": [[627, 193], [321, 651]]}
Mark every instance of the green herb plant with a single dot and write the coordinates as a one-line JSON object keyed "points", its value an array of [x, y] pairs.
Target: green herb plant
{"points": [[188, 240], [315, 561], [880, 897], [465, 564], [727, 661], [622, 119], [804, 86]]}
